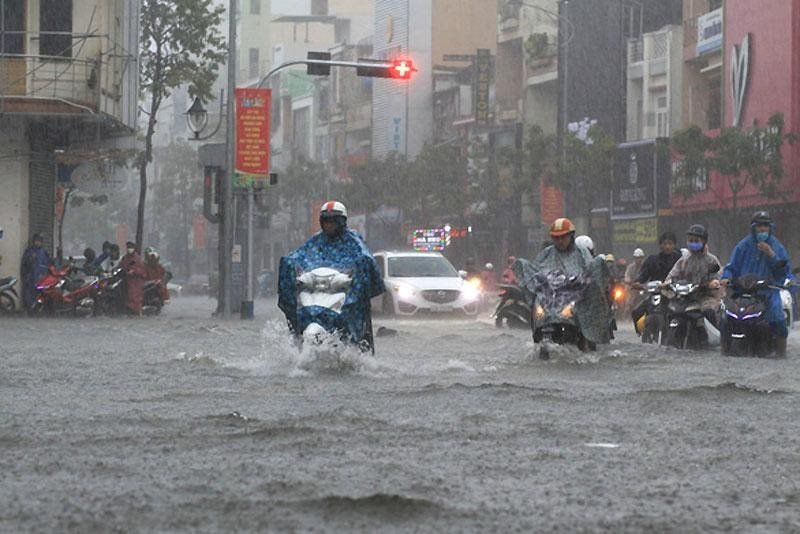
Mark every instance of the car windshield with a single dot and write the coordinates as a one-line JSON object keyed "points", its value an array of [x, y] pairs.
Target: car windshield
{"points": [[417, 266]]}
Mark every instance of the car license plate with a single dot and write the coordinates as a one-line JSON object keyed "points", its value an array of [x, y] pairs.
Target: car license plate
{"points": [[441, 308]]}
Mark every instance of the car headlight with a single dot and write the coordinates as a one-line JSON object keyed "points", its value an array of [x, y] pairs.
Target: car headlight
{"points": [[470, 292], [404, 292], [568, 310]]}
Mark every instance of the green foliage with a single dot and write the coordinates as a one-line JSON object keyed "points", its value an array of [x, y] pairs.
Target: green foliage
{"points": [[376, 182], [741, 157], [303, 181], [180, 44]]}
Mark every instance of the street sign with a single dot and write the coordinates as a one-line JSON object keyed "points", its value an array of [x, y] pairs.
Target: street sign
{"points": [[252, 135], [483, 77]]}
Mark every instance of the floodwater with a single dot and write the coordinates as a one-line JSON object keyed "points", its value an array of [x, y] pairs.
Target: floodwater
{"points": [[187, 423]]}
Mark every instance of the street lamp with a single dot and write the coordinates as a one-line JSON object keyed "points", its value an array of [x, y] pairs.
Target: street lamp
{"points": [[197, 117]]}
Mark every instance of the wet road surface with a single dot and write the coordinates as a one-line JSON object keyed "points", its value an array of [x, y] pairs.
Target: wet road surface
{"points": [[184, 422]]}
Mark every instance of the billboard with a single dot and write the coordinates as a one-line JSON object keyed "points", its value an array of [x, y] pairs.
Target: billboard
{"points": [[252, 135], [633, 188], [709, 32]]}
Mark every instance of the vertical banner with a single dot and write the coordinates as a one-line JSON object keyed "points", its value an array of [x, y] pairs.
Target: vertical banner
{"points": [[552, 203], [483, 79], [252, 136]]}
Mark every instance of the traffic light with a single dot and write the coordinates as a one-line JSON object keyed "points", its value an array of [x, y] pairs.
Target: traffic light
{"points": [[399, 68], [319, 70]]}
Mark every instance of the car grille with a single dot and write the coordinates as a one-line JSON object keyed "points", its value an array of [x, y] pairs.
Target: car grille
{"points": [[441, 296]]}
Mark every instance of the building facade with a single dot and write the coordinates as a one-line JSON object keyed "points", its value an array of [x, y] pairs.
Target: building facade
{"points": [[68, 90]]}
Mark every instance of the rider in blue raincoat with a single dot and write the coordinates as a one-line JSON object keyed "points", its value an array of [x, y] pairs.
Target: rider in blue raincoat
{"points": [[35, 262], [337, 247], [762, 255]]}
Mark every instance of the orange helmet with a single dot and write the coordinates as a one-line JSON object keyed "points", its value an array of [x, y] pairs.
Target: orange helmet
{"points": [[561, 227]]}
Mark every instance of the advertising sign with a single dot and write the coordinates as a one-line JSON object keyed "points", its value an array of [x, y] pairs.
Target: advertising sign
{"points": [[483, 78], [252, 135], [429, 239], [633, 188], [636, 232], [552, 201], [709, 32]]}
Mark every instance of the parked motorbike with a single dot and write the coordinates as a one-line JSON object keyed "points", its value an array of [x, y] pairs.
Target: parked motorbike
{"points": [[8, 295], [512, 310], [557, 296], [62, 292], [745, 331], [321, 295]]}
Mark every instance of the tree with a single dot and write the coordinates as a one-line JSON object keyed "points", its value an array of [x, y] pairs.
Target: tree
{"points": [[742, 158], [180, 45], [584, 169]]}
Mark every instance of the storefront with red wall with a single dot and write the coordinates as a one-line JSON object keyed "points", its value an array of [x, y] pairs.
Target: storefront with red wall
{"points": [[762, 53]]}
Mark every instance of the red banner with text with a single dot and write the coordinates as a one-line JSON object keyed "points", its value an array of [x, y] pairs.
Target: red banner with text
{"points": [[552, 204], [252, 135]]}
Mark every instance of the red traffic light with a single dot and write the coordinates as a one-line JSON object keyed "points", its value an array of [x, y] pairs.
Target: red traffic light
{"points": [[402, 69]]}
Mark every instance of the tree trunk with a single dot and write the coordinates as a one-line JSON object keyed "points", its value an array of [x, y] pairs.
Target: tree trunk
{"points": [[146, 157]]}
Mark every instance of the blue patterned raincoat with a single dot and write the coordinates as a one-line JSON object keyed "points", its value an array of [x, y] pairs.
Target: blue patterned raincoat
{"points": [[347, 252]]}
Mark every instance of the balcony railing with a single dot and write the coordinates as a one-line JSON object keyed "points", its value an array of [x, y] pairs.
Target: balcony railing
{"points": [[71, 80]]}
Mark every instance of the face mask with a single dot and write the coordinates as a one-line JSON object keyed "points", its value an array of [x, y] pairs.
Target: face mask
{"points": [[695, 246], [762, 236]]}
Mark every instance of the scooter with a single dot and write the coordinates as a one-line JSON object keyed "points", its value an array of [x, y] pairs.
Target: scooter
{"points": [[8, 295], [61, 293], [152, 301], [111, 293], [553, 317], [745, 331], [321, 295], [686, 327], [512, 310], [655, 319]]}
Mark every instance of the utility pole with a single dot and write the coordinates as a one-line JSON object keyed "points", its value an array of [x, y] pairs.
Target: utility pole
{"points": [[226, 245]]}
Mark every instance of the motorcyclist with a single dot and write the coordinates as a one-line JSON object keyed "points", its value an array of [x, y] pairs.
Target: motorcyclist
{"points": [[90, 266], [155, 271], [572, 260], [699, 267], [633, 270], [586, 242], [135, 274], [655, 268], [35, 262], [335, 245], [761, 254], [488, 279], [507, 277]]}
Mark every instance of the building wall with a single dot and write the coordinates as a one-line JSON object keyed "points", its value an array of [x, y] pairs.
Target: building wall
{"points": [[14, 200], [462, 26]]}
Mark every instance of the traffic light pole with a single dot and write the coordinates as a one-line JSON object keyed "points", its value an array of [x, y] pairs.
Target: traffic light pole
{"points": [[404, 70], [226, 246]]}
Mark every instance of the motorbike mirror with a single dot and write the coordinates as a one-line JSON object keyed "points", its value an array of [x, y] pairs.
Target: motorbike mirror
{"points": [[462, 274]]}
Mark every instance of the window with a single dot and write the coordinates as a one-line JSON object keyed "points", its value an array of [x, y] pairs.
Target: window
{"points": [[662, 124], [714, 111], [55, 28], [14, 27], [252, 71], [714, 4], [255, 7]]}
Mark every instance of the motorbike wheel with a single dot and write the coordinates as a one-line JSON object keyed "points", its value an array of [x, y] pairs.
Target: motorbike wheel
{"points": [[653, 328], [676, 337], [7, 304]]}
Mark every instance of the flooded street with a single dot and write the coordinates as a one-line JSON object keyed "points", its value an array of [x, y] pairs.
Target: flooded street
{"points": [[184, 422]]}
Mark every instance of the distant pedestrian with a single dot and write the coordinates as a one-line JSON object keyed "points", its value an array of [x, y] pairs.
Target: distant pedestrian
{"points": [[35, 262]]}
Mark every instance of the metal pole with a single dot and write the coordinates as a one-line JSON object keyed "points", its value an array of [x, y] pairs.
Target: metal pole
{"points": [[226, 247], [247, 305]]}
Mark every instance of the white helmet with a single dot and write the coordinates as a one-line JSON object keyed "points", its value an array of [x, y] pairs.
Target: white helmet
{"points": [[638, 253], [333, 208], [584, 241], [489, 266]]}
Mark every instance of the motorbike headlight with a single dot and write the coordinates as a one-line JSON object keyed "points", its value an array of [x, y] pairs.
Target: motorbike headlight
{"points": [[539, 312], [470, 292], [404, 292], [568, 310], [619, 294]]}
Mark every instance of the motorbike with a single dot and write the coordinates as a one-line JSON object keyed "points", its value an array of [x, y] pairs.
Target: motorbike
{"points": [[554, 308], [152, 300], [8, 295], [745, 331], [655, 321], [686, 327], [512, 310], [60, 292], [111, 293], [321, 295], [618, 298]]}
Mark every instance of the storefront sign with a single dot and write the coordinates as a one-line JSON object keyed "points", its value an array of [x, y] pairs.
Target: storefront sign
{"points": [[430, 239], [252, 135], [483, 78], [552, 204], [636, 232], [740, 67], [633, 188], [709, 32]]}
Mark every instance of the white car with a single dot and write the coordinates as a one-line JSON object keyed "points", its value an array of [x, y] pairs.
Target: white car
{"points": [[423, 282]]}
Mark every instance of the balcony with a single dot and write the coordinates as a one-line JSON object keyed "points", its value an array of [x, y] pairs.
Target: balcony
{"points": [[31, 84]]}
